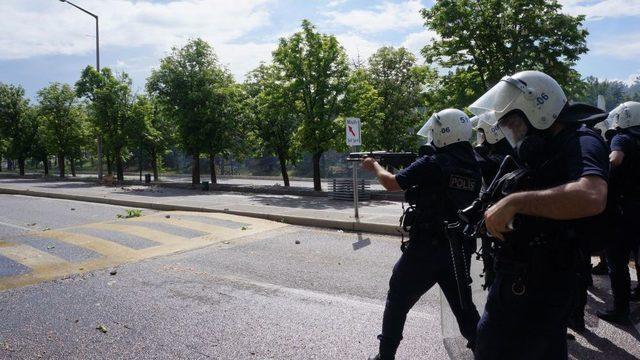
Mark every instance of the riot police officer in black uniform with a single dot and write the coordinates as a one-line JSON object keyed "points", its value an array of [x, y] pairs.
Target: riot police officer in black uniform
{"points": [[436, 187], [491, 148], [625, 188], [562, 178]]}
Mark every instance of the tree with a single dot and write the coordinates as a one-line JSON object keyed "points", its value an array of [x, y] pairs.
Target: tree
{"points": [[17, 123], [190, 85], [275, 117], [363, 101], [399, 82], [63, 123], [480, 41], [154, 127], [316, 66], [613, 91], [111, 100]]}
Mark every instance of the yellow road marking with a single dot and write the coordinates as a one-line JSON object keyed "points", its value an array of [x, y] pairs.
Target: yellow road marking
{"points": [[31, 257], [101, 246], [140, 231], [48, 267], [220, 231]]}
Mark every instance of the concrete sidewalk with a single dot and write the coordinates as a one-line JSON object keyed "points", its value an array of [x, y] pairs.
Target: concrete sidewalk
{"points": [[376, 216]]}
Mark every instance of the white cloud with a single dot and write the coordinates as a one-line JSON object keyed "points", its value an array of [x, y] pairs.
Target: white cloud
{"points": [[386, 16], [357, 46], [27, 29], [416, 41], [598, 9], [620, 47]]}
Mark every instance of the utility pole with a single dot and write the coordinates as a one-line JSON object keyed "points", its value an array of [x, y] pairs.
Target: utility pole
{"points": [[98, 69]]}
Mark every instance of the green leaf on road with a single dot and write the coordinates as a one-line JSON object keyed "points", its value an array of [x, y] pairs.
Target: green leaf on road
{"points": [[102, 329]]}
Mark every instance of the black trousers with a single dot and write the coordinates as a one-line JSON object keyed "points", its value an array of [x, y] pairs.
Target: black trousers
{"points": [[417, 271]]}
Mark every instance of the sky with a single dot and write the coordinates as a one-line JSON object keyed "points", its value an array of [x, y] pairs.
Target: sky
{"points": [[44, 41]]}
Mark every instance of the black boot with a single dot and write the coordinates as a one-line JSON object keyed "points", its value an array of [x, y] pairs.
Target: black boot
{"points": [[615, 316]]}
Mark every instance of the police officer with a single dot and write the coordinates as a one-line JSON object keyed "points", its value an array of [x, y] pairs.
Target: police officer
{"points": [[625, 187], [436, 186], [566, 179], [491, 148]]}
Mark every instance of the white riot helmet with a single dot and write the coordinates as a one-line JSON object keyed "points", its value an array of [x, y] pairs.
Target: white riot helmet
{"points": [[447, 127], [534, 93], [492, 133], [625, 115]]}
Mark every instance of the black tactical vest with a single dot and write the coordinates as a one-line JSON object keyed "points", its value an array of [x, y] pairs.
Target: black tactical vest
{"points": [[438, 199]]}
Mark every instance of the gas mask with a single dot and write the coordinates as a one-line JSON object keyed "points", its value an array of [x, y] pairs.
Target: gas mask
{"points": [[530, 144]]}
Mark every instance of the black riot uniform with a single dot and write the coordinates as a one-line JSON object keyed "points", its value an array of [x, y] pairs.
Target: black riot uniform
{"points": [[529, 303], [489, 157], [625, 190], [436, 187]]}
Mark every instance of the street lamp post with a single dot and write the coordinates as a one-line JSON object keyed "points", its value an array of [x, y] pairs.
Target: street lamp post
{"points": [[98, 69]]}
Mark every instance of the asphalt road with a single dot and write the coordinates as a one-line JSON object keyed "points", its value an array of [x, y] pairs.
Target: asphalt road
{"points": [[214, 288]]}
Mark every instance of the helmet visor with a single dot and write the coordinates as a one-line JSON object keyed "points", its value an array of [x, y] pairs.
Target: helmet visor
{"points": [[498, 98], [514, 129], [425, 130]]}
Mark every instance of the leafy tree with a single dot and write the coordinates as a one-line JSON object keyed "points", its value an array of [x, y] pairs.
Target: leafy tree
{"points": [[154, 128], [190, 85], [63, 123], [399, 83], [111, 100], [480, 41], [316, 66], [17, 123], [275, 117], [613, 92], [363, 101]]}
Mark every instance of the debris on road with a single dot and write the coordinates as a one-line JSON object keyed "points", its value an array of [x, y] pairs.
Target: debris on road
{"points": [[297, 242], [244, 228], [102, 329], [31, 224], [73, 209], [168, 216], [49, 247], [113, 272], [130, 213], [46, 229]]}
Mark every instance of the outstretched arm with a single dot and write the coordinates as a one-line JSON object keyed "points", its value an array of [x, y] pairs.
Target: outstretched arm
{"points": [[385, 178]]}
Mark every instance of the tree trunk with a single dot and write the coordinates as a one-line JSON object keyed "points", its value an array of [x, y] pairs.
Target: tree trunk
{"points": [[21, 166], [154, 164], [0, 163], [283, 169], [317, 185], [195, 169], [72, 162], [212, 162], [109, 165], [45, 164], [61, 164], [119, 166]]}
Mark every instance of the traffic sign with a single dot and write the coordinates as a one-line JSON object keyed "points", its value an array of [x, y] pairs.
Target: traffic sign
{"points": [[353, 132]]}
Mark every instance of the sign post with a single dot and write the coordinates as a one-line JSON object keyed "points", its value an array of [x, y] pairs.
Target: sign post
{"points": [[353, 140]]}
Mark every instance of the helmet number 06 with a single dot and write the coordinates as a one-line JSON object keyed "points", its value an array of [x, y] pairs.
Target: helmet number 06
{"points": [[445, 130], [542, 98]]}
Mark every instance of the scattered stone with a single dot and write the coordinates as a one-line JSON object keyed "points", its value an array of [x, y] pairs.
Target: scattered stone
{"points": [[32, 224], [297, 242], [113, 272], [76, 321], [168, 216], [73, 209], [244, 228], [46, 229], [51, 247], [226, 242], [102, 329], [81, 269]]}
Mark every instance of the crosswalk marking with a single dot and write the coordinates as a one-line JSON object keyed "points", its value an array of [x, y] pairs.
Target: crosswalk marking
{"points": [[31, 257], [101, 246], [45, 266], [143, 232]]}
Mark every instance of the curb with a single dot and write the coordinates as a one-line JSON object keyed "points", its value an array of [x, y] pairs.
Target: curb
{"points": [[353, 226]]}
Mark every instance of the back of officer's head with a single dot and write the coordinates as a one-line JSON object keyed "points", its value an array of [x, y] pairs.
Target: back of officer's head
{"points": [[625, 116], [446, 127]]}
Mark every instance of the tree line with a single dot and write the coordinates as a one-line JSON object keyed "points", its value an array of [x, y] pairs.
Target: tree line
{"points": [[296, 103]]}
